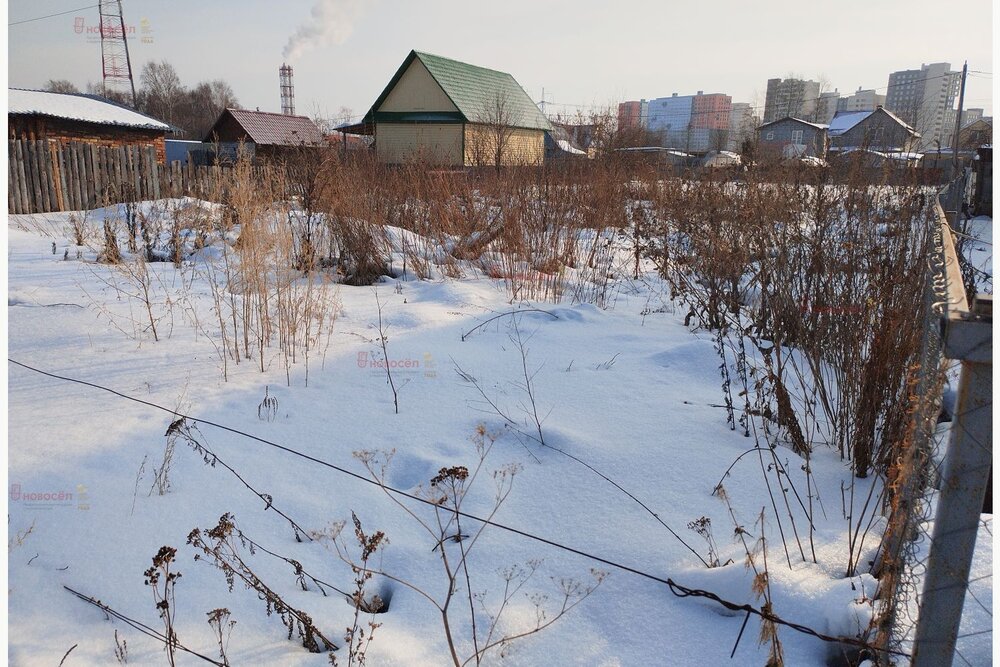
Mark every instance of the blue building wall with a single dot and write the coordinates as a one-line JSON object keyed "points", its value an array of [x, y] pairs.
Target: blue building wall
{"points": [[670, 117]]}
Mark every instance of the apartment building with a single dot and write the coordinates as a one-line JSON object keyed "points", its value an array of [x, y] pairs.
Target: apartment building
{"points": [[633, 114], [743, 124], [796, 98], [862, 100], [692, 123], [925, 99], [826, 107]]}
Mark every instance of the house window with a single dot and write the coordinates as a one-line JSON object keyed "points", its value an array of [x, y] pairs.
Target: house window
{"points": [[796, 136], [770, 136]]}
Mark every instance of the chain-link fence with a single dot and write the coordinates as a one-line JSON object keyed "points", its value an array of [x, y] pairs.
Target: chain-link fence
{"points": [[915, 477]]}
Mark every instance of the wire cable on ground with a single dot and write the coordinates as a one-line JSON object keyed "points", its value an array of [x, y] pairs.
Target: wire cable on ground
{"points": [[140, 626], [675, 588]]}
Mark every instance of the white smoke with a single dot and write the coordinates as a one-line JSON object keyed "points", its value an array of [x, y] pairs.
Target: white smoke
{"points": [[330, 22]]}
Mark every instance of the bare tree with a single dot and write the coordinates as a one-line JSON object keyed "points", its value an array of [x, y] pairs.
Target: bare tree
{"points": [[497, 122], [307, 169], [162, 92], [718, 140], [61, 86], [205, 102], [118, 96]]}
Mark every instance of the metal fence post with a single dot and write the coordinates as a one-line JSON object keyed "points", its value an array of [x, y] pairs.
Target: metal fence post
{"points": [[968, 337]]}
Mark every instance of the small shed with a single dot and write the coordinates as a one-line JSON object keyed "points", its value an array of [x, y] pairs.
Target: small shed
{"points": [[656, 156], [793, 137], [76, 117], [449, 113], [878, 130], [560, 144], [263, 134], [721, 160]]}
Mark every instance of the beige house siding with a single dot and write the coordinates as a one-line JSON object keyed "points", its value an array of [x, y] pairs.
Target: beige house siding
{"points": [[417, 91], [524, 147], [433, 143]]}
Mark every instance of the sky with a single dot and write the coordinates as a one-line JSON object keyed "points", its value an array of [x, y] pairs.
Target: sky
{"points": [[584, 54]]}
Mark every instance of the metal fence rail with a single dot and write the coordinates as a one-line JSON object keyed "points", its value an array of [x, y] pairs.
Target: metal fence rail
{"points": [[936, 488]]}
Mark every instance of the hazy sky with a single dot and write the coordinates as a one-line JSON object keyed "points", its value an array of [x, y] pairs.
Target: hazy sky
{"points": [[584, 53]]}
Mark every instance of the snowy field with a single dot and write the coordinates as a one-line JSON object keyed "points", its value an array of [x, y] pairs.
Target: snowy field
{"points": [[628, 391]]}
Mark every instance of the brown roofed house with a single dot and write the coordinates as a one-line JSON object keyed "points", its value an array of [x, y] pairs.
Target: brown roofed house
{"points": [[265, 135]]}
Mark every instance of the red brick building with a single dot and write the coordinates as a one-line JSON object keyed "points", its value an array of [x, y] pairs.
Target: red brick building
{"points": [[66, 118]]}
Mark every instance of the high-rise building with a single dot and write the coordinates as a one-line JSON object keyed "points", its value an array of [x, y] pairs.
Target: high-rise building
{"points": [[743, 124], [862, 100], [790, 97], [697, 123], [632, 114], [925, 98], [826, 107]]}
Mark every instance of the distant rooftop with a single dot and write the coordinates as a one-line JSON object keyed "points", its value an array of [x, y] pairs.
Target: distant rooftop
{"points": [[843, 122], [818, 126], [273, 129]]}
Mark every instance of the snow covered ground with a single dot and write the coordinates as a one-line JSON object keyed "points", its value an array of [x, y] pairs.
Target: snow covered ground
{"points": [[629, 391]]}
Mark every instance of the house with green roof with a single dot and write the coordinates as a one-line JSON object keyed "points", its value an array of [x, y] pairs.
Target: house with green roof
{"points": [[448, 113]]}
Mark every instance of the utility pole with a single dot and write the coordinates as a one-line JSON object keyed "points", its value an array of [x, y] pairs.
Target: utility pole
{"points": [[958, 120]]}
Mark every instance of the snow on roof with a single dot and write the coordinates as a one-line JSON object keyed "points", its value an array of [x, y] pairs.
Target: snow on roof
{"points": [[77, 106], [818, 126], [654, 149], [568, 147], [843, 122], [891, 155], [812, 161]]}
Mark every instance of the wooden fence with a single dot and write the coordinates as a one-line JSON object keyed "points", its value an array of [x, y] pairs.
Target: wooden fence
{"points": [[45, 176]]}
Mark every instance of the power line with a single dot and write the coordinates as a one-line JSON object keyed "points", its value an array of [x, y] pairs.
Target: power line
{"points": [[675, 588], [48, 16]]}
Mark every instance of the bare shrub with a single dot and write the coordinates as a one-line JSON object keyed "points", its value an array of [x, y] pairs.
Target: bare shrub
{"points": [[220, 546], [453, 542], [222, 628], [162, 582]]}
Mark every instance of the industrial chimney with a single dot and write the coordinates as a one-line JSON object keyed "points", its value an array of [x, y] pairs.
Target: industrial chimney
{"points": [[287, 90]]}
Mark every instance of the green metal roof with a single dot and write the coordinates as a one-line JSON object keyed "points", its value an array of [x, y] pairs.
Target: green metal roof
{"points": [[473, 90]]}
